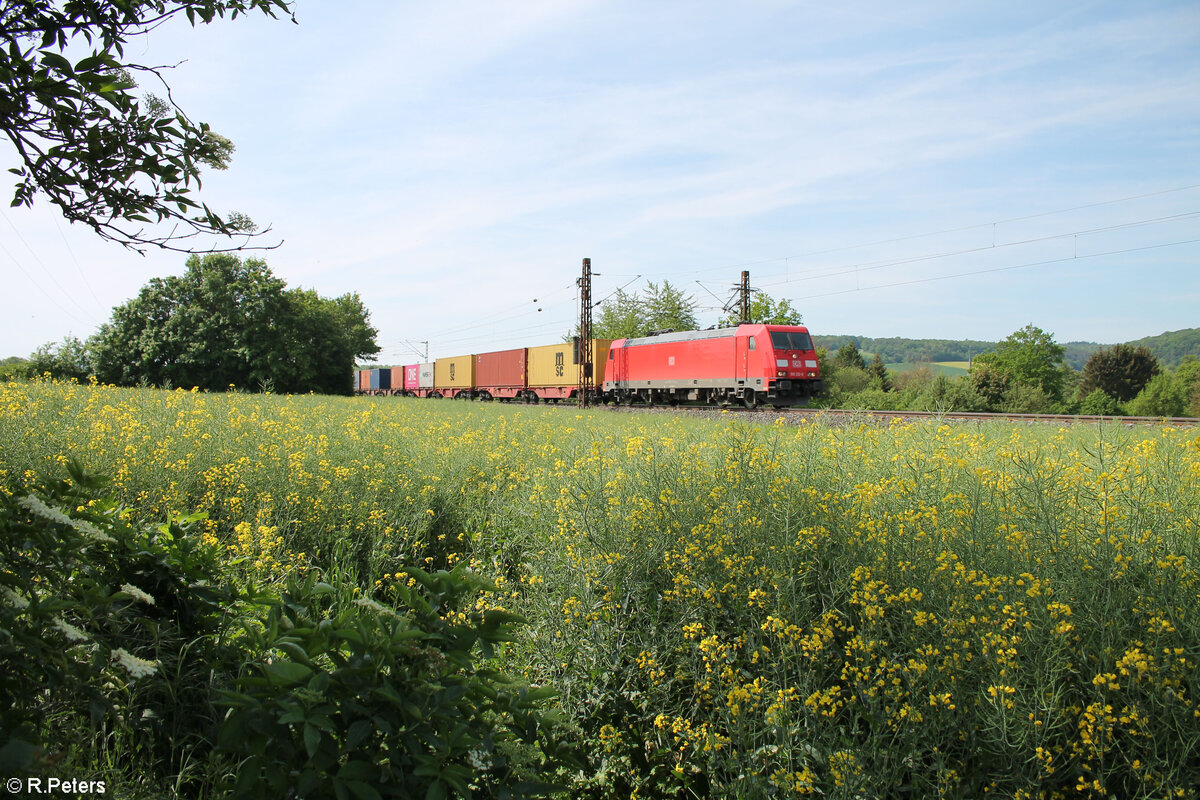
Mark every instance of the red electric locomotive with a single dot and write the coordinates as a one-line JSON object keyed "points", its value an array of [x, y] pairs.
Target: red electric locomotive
{"points": [[749, 364]]}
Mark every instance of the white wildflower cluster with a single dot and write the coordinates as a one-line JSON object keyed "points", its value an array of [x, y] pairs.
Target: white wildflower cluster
{"points": [[72, 633], [479, 759], [36, 506], [137, 594], [15, 599], [136, 667], [91, 531], [367, 602]]}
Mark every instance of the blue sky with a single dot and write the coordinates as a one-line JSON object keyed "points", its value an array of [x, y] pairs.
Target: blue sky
{"points": [[925, 170]]}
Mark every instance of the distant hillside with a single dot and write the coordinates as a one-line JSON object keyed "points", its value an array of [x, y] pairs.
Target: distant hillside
{"points": [[896, 350], [1169, 348]]}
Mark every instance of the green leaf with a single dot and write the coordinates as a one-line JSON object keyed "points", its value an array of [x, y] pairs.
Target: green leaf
{"points": [[249, 775], [363, 791], [16, 757], [295, 651], [357, 733], [307, 783], [358, 770], [287, 672], [56, 61], [90, 63], [295, 715], [495, 617], [312, 740]]}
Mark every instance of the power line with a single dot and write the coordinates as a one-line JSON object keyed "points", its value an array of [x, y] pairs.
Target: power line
{"points": [[58, 302], [1001, 269], [910, 237], [874, 265]]}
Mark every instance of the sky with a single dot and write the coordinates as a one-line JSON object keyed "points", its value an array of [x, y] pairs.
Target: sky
{"points": [[923, 170]]}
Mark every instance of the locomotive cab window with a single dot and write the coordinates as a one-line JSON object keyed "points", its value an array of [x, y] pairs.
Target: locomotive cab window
{"points": [[791, 340], [752, 344]]}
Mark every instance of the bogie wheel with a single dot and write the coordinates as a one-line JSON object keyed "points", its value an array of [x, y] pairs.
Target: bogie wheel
{"points": [[750, 399]]}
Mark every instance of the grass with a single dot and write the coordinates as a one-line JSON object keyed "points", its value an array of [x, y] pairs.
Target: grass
{"points": [[727, 608], [951, 369]]}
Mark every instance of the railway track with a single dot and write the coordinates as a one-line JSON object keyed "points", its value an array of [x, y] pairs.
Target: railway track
{"points": [[796, 415]]}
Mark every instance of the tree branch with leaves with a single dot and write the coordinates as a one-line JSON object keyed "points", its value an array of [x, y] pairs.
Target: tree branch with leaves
{"points": [[124, 165]]}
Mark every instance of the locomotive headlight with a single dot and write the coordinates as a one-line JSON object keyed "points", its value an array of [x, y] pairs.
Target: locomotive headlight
{"points": [[781, 374], [781, 362], [810, 363]]}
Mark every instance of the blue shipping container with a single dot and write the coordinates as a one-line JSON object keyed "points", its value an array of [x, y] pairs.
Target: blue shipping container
{"points": [[381, 379]]}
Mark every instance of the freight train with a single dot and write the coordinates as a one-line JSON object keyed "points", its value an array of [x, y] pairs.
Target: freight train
{"points": [[748, 364]]}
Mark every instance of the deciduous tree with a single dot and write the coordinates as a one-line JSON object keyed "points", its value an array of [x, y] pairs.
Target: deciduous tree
{"points": [[766, 310], [1163, 396], [230, 322], [663, 307], [1120, 371], [669, 308], [620, 317], [66, 359], [1031, 357]]}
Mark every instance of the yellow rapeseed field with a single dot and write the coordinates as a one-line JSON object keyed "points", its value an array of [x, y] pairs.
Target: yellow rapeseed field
{"points": [[726, 608]]}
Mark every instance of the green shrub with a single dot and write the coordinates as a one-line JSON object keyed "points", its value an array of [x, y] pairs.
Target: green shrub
{"points": [[1162, 397], [947, 394], [110, 635], [122, 647], [1099, 404], [352, 698], [1023, 398]]}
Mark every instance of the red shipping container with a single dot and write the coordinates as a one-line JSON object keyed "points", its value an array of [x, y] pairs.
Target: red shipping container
{"points": [[364, 380], [500, 374]]}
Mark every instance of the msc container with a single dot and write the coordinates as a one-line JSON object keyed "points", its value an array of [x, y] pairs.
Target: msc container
{"points": [[454, 375], [425, 375], [500, 374], [554, 370], [557, 364], [381, 379]]}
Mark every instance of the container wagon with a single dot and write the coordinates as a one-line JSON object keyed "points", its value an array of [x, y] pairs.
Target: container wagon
{"points": [[554, 370], [500, 375], [454, 377]]}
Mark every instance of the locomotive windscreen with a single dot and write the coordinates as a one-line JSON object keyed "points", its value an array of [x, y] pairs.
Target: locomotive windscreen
{"points": [[791, 340]]}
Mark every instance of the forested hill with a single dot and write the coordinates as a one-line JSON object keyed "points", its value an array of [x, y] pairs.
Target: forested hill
{"points": [[1169, 348]]}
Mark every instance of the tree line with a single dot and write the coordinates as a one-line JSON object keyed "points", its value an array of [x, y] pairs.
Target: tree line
{"points": [[1025, 373], [226, 322], [1169, 348]]}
